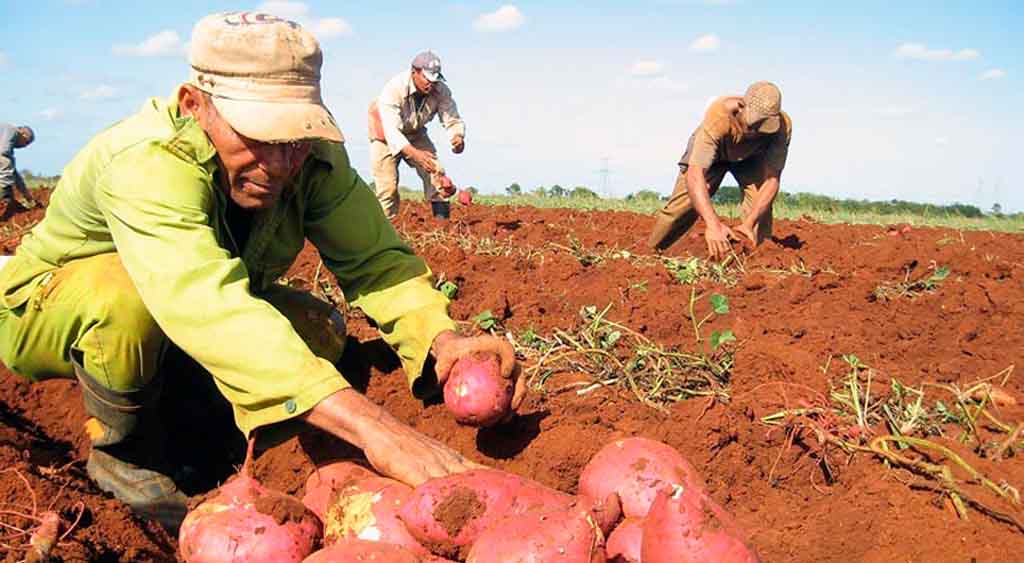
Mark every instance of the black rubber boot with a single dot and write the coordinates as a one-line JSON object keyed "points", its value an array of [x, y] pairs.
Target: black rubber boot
{"points": [[127, 450], [441, 209]]}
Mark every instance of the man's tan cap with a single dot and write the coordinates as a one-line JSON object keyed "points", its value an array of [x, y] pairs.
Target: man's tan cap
{"points": [[763, 100], [263, 74]]}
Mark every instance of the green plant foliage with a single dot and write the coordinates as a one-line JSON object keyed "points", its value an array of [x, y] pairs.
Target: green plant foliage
{"points": [[485, 320], [449, 289]]}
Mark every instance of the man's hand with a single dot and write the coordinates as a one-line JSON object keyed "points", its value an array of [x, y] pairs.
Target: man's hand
{"points": [[747, 231], [422, 159], [395, 449], [458, 144], [443, 184], [412, 458], [717, 236], [448, 347]]}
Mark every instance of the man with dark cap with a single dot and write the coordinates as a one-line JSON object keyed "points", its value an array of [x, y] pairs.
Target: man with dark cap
{"points": [[746, 135], [398, 131], [12, 137], [172, 227]]}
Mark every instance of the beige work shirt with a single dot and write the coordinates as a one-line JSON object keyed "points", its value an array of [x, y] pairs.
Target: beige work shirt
{"points": [[404, 111], [713, 142]]}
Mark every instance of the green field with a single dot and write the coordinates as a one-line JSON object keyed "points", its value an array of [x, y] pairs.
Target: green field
{"points": [[788, 206]]}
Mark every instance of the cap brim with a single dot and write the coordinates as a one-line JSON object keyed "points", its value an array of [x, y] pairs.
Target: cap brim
{"points": [[433, 76], [770, 125], [276, 122]]}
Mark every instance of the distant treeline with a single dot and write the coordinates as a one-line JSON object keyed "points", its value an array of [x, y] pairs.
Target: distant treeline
{"points": [[33, 180], [725, 195], [809, 202], [821, 203]]}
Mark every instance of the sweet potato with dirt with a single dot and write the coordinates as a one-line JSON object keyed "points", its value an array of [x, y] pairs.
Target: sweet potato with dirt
{"points": [[322, 483], [247, 522], [367, 509], [476, 393], [355, 550], [682, 527], [449, 513], [541, 536], [624, 543], [636, 469]]}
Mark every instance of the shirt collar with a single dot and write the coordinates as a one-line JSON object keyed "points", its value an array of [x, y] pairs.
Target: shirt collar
{"points": [[189, 139]]}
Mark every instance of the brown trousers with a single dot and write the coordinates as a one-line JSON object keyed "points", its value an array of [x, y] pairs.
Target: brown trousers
{"points": [[678, 215]]}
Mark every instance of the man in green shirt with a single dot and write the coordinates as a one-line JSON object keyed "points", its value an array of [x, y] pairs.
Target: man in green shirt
{"points": [[172, 226]]}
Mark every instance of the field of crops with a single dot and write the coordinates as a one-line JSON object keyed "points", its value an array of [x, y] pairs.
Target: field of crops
{"points": [[848, 391]]}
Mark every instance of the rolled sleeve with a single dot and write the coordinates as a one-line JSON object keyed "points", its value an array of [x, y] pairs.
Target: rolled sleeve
{"points": [[389, 104], [449, 112], [7, 172], [199, 294], [378, 272], [778, 149], [704, 150]]}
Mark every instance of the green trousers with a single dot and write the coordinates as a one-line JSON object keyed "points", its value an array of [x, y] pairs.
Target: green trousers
{"points": [[89, 310]]}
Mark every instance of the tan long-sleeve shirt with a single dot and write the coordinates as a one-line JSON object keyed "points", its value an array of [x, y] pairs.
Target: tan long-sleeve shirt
{"points": [[405, 111]]}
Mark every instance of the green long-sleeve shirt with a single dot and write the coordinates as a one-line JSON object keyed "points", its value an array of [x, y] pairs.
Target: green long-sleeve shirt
{"points": [[147, 189]]}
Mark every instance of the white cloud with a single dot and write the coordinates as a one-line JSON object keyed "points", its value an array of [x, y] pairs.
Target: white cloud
{"points": [[670, 85], [647, 68], [294, 11], [896, 111], [323, 28], [942, 141], [505, 18], [920, 52], [331, 27], [966, 54], [167, 43], [49, 114], [101, 92], [706, 43], [993, 74]]}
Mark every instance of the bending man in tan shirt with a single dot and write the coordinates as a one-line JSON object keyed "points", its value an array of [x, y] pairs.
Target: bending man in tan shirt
{"points": [[398, 131], [747, 136]]}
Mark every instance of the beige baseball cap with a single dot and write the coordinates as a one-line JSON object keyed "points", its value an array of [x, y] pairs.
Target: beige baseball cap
{"points": [[263, 74], [763, 100]]}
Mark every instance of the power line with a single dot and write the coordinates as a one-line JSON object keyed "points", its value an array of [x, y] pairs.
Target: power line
{"points": [[605, 172]]}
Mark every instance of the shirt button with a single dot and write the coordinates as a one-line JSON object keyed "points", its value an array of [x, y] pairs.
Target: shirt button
{"points": [[289, 406]]}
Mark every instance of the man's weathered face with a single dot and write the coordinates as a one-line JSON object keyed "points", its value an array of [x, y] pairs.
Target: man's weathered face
{"points": [[255, 172], [423, 86]]}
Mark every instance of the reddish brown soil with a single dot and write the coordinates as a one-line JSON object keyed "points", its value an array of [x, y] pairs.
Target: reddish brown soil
{"points": [[788, 325]]}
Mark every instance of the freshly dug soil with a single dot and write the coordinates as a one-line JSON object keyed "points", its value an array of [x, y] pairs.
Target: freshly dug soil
{"points": [[802, 300]]}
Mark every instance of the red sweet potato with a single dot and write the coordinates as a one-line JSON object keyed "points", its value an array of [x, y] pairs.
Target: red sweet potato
{"points": [[682, 527], [355, 550], [541, 536], [449, 513], [624, 543], [476, 393], [636, 469], [465, 197], [324, 480], [246, 522], [367, 509]]}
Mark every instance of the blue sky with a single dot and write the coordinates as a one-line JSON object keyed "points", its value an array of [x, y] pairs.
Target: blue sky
{"points": [[917, 100]]}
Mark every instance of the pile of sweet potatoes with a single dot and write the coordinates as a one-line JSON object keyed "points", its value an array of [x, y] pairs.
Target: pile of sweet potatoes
{"points": [[639, 500]]}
